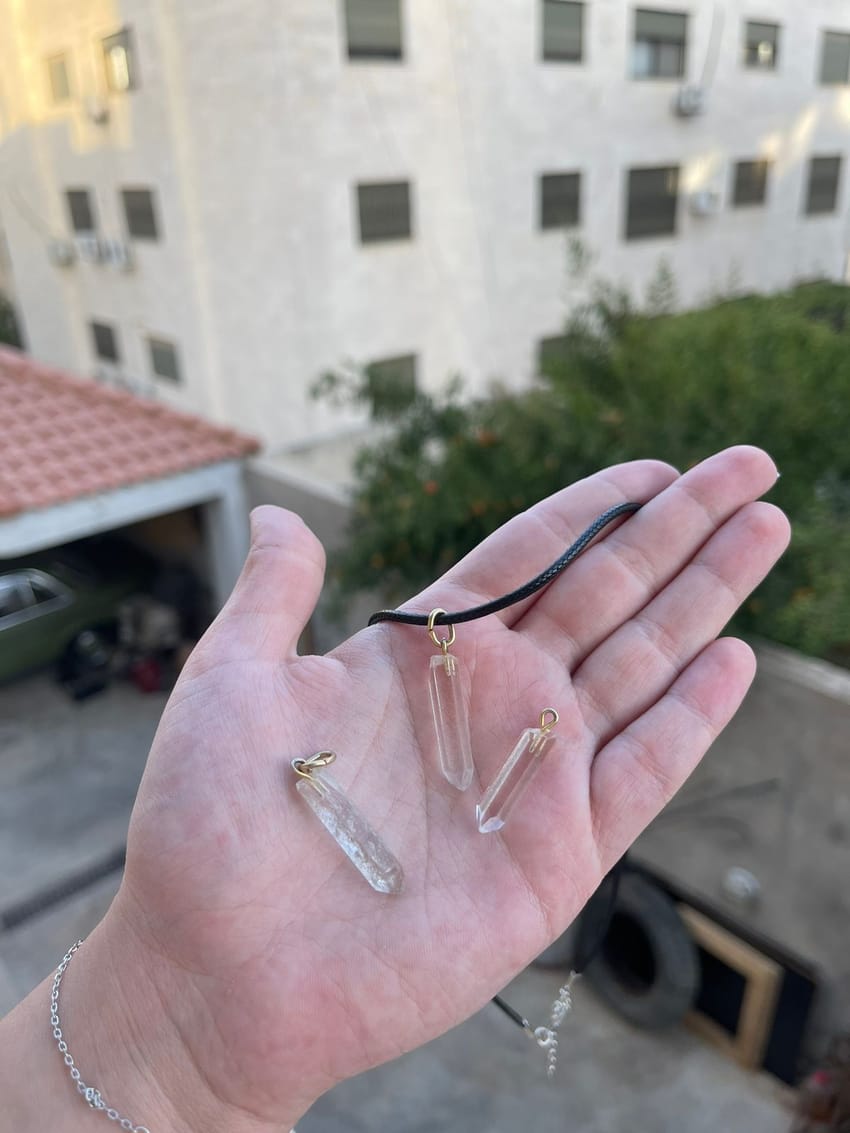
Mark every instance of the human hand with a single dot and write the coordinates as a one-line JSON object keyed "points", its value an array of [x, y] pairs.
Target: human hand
{"points": [[272, 966]]}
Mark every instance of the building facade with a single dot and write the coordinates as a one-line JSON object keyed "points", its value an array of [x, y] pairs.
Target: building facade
{"points": [[217, 202]]}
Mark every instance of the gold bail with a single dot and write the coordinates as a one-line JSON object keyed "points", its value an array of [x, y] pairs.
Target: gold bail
{"points": [[305, 767], [546, 726], [441, 642]]}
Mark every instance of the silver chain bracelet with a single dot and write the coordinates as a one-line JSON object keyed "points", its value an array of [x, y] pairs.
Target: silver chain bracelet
{"points": [[91, 1095]]}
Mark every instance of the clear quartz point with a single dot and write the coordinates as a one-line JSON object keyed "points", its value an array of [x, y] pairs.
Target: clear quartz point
{"points": [[447, 686], [517, 772], [351, 832]]}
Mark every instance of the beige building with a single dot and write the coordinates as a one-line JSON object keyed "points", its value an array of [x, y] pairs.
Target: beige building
{"points": [[215, 202]]}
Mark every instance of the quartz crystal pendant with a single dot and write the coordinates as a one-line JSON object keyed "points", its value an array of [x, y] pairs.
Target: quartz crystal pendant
{"points": [[349, 829], [447, 686], [517, 772]]}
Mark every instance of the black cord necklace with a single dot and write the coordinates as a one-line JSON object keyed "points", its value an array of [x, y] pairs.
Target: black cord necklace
{"points": [[537, 583], [546, 1037]]}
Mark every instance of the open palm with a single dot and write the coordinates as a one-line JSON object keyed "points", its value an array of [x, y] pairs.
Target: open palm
{"points": [[280, 968]]}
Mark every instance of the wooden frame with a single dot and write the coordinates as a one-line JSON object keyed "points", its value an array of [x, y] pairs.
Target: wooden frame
{"points": [[763, 978]]}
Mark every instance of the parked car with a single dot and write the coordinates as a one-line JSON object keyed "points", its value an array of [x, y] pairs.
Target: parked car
{"points": [[61, 606]]}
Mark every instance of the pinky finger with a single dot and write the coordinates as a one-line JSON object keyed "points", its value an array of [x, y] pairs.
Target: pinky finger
{"points": [[637, 773]]}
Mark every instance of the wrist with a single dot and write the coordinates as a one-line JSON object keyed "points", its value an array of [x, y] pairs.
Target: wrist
{"points": [[140, 1017], [124, 1042]]}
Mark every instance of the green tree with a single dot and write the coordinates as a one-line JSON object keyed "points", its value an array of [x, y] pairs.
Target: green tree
{"points": [[772, 371]]}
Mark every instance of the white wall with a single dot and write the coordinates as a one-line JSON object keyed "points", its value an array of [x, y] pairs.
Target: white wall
{"points": [[47, 149], [254, 128]]}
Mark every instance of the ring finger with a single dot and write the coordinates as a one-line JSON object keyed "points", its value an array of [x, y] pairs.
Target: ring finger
{"points": [[637, 663]]}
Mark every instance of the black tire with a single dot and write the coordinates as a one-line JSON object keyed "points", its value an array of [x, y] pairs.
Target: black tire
{"points": [[85, 666], [647, 968], [560, 952]]}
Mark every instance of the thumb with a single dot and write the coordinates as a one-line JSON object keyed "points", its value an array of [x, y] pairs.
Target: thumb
{"points": [[276, 592]]}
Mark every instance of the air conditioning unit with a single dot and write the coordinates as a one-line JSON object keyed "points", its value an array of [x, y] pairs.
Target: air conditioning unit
{"points": [[61, 253], [117, 254], [690, 101], [105, 375], [704, 202], [89, 249], [141, 387]]}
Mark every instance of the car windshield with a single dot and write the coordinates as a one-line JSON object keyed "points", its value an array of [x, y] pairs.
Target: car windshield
{"points": [[12, 600]]}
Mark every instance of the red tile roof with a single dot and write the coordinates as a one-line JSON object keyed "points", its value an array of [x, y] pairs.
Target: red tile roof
{"points": [[62, 437]]}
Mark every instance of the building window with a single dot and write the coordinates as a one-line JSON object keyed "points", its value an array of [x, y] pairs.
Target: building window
{"points": [[651, 203], [749, 185], [373, 29], [60, 83], [140, 214], [391, 385], [105, 342], [13, 599], [80, 210], [563, 31], [822, 189], [551, 353], [384, 211], [164, 361], [761, 45], [560, 200], [120, 62], [659, 47], [835, 57]]}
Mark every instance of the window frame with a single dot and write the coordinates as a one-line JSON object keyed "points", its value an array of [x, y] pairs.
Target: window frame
{"points": [[808, 210], [550, 348], [96, 326], [658, 41], [11, 585], [50, 60], [545, 220], [56, 589], [552, 55], [756, 66], [362, 188], [739, 201], [381, 406], [124, 33], [629, 232], [154, 342], [90, 208], [153, 236], [377, 54], [59, 594], [845, 35], [21, 582]]}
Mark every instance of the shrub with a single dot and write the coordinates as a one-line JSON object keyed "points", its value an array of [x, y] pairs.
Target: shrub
{"points": [[772, 371]]}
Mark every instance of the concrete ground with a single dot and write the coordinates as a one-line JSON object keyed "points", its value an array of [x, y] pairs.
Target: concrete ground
{"points": [[485, 1076], [773, 796], [68, 775]]}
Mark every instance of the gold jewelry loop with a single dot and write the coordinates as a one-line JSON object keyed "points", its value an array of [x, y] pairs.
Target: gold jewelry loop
{"points": [[441, 642], [304, 767], [548, 725]]}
